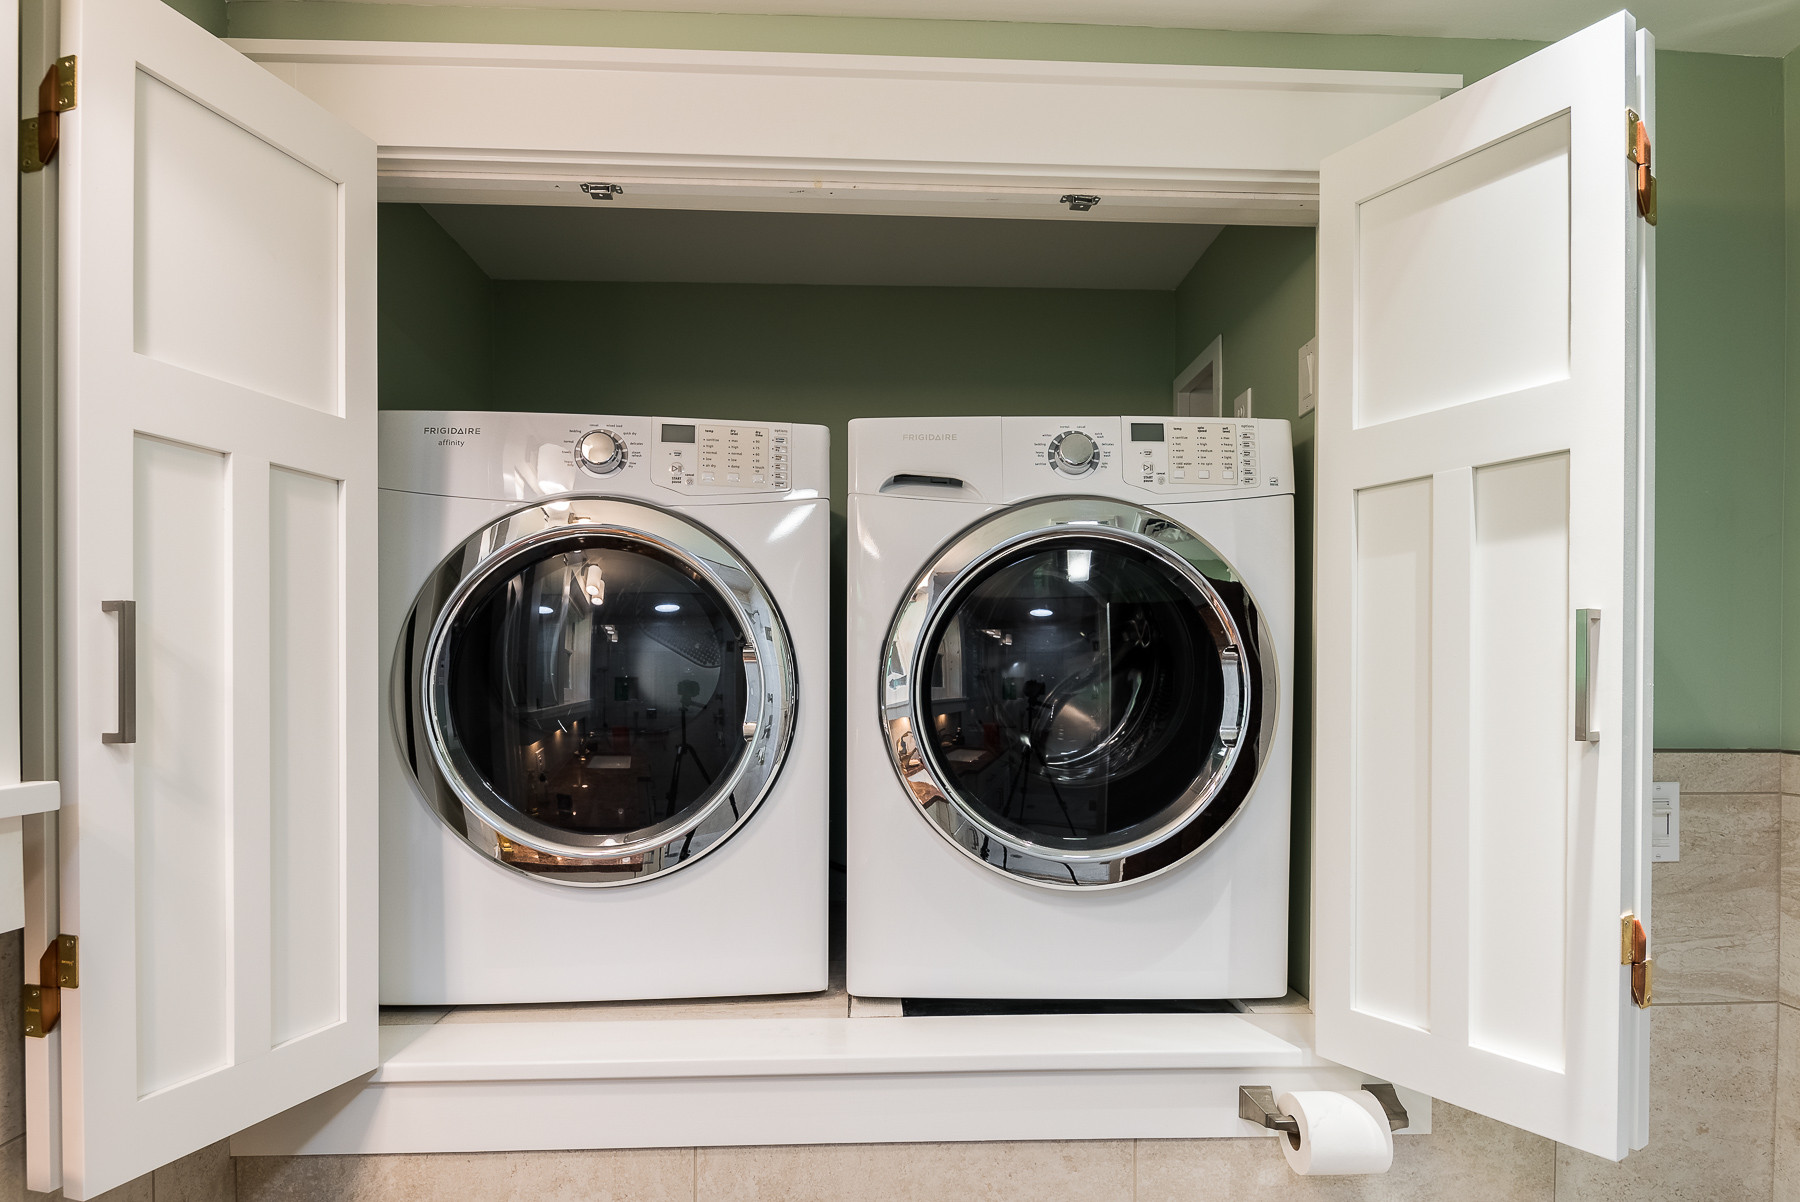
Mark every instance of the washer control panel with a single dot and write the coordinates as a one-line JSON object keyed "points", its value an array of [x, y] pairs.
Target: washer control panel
{"points": [[1076, 450], [1193, 452], [706, 457]]}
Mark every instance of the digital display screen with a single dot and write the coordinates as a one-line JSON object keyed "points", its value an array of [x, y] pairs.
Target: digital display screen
{"points": [[683, 433], [1143, 431]]}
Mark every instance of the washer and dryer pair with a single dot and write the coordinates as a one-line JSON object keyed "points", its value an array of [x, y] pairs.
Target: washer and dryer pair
{"points": [[605, 776]]}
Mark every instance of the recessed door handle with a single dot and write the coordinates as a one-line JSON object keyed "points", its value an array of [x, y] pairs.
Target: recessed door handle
{"points": [[753, 693], [1587, 674], [127, 611], [1234, 712]]}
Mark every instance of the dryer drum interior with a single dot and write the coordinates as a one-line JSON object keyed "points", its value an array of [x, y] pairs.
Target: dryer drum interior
{"points": [[1080, 702], [593, 701]]}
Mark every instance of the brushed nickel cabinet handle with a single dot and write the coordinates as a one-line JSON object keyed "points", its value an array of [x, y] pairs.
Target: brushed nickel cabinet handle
{"points": [[1587, 674], [127, 611]]}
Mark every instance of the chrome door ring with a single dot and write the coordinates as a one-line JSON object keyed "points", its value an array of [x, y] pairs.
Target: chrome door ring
{"points": [[455, 789], [1249, 687]]}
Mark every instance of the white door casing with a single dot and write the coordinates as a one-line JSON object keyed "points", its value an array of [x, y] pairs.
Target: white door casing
{"points": [[1484, 421], [217, 429]]}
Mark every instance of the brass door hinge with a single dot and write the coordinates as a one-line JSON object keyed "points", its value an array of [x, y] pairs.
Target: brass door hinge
{"points": [[1637, 149], [59, 968], [1634, 949], [38, 135]]}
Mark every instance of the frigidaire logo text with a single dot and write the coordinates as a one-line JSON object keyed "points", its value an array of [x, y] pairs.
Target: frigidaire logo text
{"points": [[452, 429], [928, 438]]}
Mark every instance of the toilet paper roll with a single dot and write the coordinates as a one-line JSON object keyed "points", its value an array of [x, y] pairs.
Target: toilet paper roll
{"points": [[1340, 1132]]}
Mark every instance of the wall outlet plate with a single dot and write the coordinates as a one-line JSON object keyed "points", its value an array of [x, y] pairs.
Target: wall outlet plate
{"points": [[1665, 822], [1309, 376], [1242, 406]]}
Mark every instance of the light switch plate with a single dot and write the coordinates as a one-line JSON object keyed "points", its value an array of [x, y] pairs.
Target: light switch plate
{"points": [[1309, 376], [1665, 822]]}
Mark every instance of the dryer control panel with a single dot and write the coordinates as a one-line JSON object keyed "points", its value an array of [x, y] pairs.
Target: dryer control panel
{"points": [[524, 456], [1182, 454], [710, 457]]}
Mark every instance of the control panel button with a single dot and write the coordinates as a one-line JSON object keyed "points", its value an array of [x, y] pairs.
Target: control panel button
{"points": [[600, 452], [1074, 453]]}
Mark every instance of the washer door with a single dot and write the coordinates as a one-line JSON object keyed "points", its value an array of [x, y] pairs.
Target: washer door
{"points": [[594, 691], [1079, 693]]}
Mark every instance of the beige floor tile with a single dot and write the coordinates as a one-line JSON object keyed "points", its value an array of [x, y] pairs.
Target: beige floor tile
{"points": [[1712, 1108], [1092, 1171], [1463, 1149], [1720, 771], [1790, 772], [1787, 1105], [205, 1176], [831, 1003], [1790, 900], [1716, 922], [12, 1181], [647, 1175]]}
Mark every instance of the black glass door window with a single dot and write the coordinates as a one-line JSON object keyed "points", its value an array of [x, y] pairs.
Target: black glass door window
{"points": [[1074, 692], [598, 688]]}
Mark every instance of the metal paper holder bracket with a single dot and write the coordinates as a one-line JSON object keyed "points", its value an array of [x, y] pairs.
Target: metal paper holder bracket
{"points": [[1256, 1104]]}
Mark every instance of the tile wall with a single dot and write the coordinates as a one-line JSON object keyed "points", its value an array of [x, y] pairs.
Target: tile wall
{"points": [[1725, 1088]]}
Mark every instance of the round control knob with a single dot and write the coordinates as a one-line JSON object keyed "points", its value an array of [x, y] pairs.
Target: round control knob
{"points": [[600, 452], [1074, 452]]}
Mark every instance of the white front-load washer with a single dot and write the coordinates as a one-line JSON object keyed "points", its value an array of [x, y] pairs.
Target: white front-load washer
{"points": [[1070, 665], [604, 762]]}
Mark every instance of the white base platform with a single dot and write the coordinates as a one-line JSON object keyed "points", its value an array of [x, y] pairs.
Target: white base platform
{"points": [[680, 1082]]}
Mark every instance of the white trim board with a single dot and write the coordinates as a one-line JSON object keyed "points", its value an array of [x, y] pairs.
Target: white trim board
{"points": [[527, 1086], [845, 133], [29, 797], [1212, 359]]}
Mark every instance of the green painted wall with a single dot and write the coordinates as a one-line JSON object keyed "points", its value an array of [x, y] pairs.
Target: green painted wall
{"points": [[859, 35], [1720, 402], [1790, 586], [828, 354], [209, 15], [435, 314]]}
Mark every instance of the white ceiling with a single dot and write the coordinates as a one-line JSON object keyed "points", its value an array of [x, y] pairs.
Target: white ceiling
{"points": [[692, 246], [1768, 27]]}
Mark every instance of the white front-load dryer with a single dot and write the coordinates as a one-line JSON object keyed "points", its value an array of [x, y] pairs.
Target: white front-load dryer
{"points": [[604, 759], [1070, 665]]}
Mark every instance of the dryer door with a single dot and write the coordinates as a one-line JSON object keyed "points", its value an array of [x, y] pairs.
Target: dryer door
{"points": [[1079, 693], [594, 691]]}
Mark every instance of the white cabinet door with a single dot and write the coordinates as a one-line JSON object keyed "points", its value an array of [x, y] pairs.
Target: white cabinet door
{"points": [[1483, 478], [217, 430]]}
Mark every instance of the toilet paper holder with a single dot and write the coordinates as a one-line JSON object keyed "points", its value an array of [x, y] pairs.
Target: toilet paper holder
{"points": [[1256, 1103]]}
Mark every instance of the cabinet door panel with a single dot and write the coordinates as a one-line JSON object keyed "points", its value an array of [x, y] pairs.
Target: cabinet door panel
{"points": [[1484, 434], [216, 411]]}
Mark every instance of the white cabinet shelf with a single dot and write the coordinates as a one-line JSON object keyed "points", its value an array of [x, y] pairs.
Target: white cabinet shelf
{"points": [[519, 1086]]}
